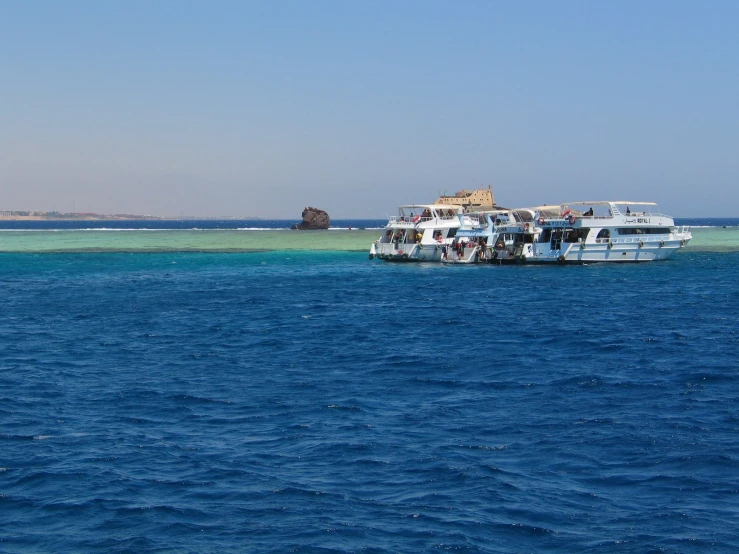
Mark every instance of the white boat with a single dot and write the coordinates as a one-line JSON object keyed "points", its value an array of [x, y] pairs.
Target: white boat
{"points": [[478, 233], [602, 231], [419, 233]]}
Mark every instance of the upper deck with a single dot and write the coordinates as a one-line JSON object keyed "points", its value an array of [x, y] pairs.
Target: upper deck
{"points": [[611, 213], [413, 214]]}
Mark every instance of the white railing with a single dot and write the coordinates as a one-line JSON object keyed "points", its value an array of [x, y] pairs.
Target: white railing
{"points": [[631, 214], [636, 239], [395, 219]]}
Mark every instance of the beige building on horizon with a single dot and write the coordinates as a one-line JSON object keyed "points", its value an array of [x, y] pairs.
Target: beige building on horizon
{"points": [[481, 199]]}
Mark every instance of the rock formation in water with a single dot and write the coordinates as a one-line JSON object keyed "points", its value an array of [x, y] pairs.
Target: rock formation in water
{"points": [[313, 218]]}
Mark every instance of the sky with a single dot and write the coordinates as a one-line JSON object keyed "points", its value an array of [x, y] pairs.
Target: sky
{"points": [[259, 109]]}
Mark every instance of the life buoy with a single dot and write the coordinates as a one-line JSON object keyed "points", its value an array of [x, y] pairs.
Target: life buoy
{"points": [[566, 213], [571, 219], [540, 221]]}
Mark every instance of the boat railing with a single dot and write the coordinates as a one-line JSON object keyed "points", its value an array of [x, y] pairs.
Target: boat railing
{"points": [[594, 217], [644, 214], [400, 219], [633, 239], [631, 214], [395, 219]]}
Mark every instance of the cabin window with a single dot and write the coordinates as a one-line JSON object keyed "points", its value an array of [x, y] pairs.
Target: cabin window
{"points": [[452, 232], [603, 235]]}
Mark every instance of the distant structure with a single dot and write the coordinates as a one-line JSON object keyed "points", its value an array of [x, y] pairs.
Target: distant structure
{"points": [[313, 219], [480, 199]]}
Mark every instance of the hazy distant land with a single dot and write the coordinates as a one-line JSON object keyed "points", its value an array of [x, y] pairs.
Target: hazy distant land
{"points": [[76, 216]]}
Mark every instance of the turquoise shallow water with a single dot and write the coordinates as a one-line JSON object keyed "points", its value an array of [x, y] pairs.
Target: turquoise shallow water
{"points": [[232, 240], [312, 400], [184, 240]]}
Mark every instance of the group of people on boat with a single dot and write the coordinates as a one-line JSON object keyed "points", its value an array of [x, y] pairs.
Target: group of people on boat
{"points": [[458, 247], [416, 218], [564, 233]]}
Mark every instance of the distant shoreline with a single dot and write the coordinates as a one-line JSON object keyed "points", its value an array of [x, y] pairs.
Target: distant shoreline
{"points": [[122, 218]]}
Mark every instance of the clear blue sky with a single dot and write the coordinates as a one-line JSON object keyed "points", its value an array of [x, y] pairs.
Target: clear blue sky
{"points": [[244, 108]]}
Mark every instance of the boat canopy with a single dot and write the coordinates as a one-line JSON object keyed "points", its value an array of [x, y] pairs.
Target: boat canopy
{"points": [[606, 203], [431, 207]]}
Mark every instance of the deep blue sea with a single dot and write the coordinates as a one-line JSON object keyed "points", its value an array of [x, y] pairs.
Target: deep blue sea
{"points": [[322, 402]]}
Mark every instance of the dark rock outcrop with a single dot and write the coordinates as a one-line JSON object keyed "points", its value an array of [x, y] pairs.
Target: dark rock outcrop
{"points": [[313, 218]]}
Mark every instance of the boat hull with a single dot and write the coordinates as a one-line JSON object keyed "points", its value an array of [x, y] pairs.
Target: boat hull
{"points": [[390, 252], [598, 253]]}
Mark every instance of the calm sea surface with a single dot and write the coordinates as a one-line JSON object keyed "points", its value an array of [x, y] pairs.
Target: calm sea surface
{"points": [[245, 388]]}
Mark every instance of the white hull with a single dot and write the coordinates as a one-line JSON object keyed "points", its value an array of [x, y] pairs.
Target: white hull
{"points": [[592, 253], [407, 252], [611, 235], [417, 234]]}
